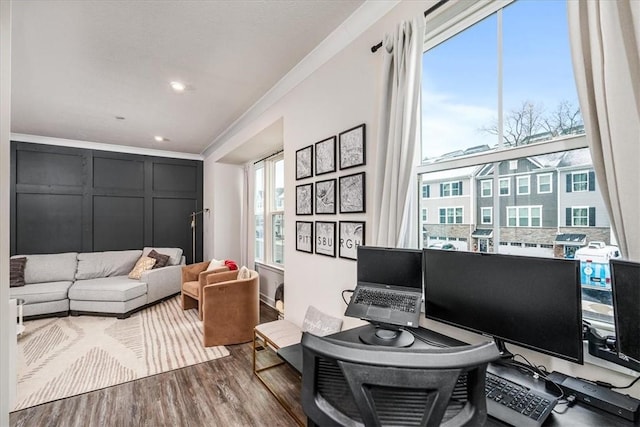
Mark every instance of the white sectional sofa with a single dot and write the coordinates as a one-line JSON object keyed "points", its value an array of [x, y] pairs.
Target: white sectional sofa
{"points": [[95, 283]]}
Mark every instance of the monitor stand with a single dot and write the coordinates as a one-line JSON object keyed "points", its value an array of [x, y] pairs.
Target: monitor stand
{"points": [[386, 335]]}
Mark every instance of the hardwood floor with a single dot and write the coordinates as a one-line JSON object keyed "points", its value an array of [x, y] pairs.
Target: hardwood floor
{"points": [[222, 392]]}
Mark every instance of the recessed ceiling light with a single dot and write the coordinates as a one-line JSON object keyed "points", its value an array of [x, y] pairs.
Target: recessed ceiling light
{"points": [[160, 139], [178, 86]]}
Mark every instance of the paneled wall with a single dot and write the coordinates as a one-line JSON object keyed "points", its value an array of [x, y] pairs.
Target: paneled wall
{"points": [[71, 199]]}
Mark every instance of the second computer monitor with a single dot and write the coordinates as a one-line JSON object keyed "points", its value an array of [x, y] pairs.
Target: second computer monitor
{"points": [[625, 283], [528, 301]]}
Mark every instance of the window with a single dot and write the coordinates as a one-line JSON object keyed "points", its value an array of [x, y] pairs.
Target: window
{"points": [[522, 183], [425, 191], [505, 186], [582, 216], [510, 122], [424, 214], [487, 215], [544, 183], [524, 216], [581, 181], [269, 210], [450, 216], [450, 189], [485, 187], [579, 217]]}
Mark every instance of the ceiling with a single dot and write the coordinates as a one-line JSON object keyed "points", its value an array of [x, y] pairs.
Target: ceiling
{"points": [[77, 65]]}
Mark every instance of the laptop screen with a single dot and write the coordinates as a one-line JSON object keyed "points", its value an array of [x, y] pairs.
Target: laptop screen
{"points": [[390, 266]]}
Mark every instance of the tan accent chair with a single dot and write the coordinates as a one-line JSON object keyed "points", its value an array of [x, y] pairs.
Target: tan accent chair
{"points": [[194, 279], [231, 308]]}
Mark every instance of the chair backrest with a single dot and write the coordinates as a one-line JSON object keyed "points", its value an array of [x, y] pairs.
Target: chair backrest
{"points": [[353, 384]]}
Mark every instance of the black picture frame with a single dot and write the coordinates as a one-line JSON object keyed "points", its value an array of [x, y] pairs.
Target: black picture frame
{"points": [[304, 199], [304, 236], [325, 159], [325, 238], [352, 193], [351, 234], [304, 162], [352, 147], [325, 197]]}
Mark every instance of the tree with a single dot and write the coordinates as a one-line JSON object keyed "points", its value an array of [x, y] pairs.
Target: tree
{"points": [[530, 123]]}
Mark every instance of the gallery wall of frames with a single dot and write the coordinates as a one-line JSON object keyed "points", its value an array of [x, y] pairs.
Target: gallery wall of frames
{"points": [[332, 184]]}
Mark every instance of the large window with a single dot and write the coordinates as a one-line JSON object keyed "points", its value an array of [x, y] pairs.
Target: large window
{"points": [[269, 211], [513, 134]]}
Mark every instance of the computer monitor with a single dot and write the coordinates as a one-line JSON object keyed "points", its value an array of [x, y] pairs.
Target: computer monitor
{"points": [[625, 286], [390, 266], [396, 273], [528, 301]]}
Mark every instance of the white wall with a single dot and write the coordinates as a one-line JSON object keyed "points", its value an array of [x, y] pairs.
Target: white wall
{"points": [[341, 94], [5, 123], [223, 195]]}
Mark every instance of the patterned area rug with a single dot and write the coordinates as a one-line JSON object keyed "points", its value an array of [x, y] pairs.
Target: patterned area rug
{"points": [[62, 357]]}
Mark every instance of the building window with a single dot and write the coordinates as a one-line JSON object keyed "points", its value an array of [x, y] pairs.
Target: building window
{"points": [[581, 181], [581, 216], [486, 187], [450, 189], [426, 190], [522, 184], [424, 214], [544, 183], [505, 186], [524, 216], [450, 215], [269, 211], [487, 215], [513, 165]]}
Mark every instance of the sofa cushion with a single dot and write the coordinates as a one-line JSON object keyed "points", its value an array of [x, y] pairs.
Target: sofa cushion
{"points": [[50, 268], [175, 254], [16, 271], [114, 288], [161, 259], [42, 292], [93, 265], [143, 264]]}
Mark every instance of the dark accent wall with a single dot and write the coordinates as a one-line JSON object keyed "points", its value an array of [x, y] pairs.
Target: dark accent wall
{"points": [[71, 199]]}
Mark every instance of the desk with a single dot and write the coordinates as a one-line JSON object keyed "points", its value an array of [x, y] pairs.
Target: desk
{"points": [[578, 415]]}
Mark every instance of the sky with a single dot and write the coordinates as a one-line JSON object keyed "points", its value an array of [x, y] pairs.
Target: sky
{"points": [[460, 83]]}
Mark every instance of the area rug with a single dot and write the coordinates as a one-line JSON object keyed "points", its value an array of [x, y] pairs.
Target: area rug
{"points": [[63, 357]]}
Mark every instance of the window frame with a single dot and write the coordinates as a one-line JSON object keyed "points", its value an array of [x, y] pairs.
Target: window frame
{"points": [[573, 181], [545, 175], [508, 181], [482, 215], [573, 216], [528, 179], [482, 188], [270, 211], [454, 215]]}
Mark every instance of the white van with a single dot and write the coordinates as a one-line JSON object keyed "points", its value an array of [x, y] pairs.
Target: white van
{"points": [[594, 264]]}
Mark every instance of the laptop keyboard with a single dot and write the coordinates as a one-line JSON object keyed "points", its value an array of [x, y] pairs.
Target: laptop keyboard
{"points": [[388, 299]]}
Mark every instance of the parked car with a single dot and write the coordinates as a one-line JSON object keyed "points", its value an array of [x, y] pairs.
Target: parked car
{"points": [[445, 246]]}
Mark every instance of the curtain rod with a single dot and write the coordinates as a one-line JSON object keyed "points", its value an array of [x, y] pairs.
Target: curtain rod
{"points": [[268, 157], [427, 12]]}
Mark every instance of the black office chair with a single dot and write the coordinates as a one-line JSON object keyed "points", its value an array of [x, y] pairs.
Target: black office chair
{"points": [[349, 384]]}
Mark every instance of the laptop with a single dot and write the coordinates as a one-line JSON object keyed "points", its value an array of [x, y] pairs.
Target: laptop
{"points": [[389, 286]]}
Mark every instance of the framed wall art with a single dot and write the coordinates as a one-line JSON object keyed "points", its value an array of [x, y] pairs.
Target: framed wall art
{"points": [[326, 196], [326, 238], [304, 236], [304, 162], [352, 147], [326, 156], [352, 193], [304, 199], [351, 235]]}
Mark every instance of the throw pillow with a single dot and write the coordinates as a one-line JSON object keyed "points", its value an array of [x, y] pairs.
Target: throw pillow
{"points": [[231, 265], [144, 263], [161, 260], [244, 273], [16, 271], [318, 323], [215, 264]]}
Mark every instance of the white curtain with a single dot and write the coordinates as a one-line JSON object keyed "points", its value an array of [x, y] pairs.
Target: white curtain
{"points": [[605, 47], [394, 220]]}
